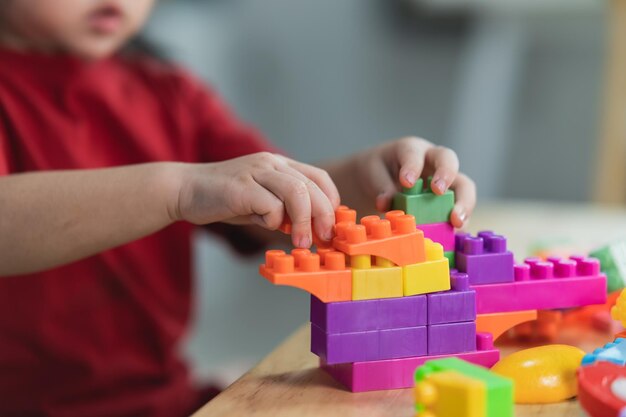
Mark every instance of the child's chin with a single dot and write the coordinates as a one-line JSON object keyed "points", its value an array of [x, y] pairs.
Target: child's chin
{"points": [[95, 49]]}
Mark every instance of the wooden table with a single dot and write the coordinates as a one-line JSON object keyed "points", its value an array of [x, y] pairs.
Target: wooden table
{"points": [[289, 383]]}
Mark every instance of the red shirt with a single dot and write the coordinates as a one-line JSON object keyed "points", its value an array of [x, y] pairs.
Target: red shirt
{"points": [[99, 337]]}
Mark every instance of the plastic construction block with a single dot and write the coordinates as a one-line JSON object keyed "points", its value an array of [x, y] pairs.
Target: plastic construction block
{"points": [[613, 263], [484, 258], [499, 323], [429, 276], [368, 346], [394, 238], [451, 255], [451, 393], [426, 206], [365, 315], [451, 338], [324, 276], [376, 282], [398, 373], [442, 233], [498, 390], [455, 305], [614, 352], [601, 389], [538, 285]]}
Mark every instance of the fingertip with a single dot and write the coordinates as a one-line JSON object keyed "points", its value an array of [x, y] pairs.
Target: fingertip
{"points": [[383, 202], [458, 217], [408, 178]]}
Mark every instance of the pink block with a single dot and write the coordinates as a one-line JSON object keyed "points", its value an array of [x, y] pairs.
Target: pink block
{"points": [[442, 233], [395, 373]]}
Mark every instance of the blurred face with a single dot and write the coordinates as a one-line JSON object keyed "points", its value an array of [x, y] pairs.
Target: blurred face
{"points": [[90, 29]]}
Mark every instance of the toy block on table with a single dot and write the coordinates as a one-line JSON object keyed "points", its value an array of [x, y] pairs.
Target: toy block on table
{"points": [[450, 338], [484, 258], [499, 323], [398, 373], [455, 305], [539, 285], [442, 233], [601, 389], [451, 256], [365, 315], [614, 352], [497, 391], [426, 206], [368, 346], [380, 281], [394, 238], [432, 275], [613, 263], [326, 277]]}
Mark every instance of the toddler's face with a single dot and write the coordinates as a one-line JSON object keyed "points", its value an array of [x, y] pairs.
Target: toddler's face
{"points": [[91, 29]]}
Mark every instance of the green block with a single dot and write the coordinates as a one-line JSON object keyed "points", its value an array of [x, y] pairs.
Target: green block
{"points": [[499, 389], [426, 206], [613, 263], [450, 256]]}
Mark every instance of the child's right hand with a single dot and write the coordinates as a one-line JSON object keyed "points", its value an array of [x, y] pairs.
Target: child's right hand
{"points": [[259, 189]]}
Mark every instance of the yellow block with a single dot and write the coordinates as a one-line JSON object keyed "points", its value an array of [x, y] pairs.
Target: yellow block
{"points": [[451, 394], [430, 276], [376, 282]]}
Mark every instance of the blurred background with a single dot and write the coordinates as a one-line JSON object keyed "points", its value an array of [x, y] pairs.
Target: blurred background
{"points": [[515, 87]]}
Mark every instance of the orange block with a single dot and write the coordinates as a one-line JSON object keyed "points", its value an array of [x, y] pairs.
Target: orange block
{"points": [[342, 214], [323, 274], [498, 323], [394, 238]]}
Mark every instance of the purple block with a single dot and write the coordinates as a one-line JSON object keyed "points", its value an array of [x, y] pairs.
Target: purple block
{"points": [[451, 338], [484, 258], [455, 305], [365, 315], [403, 343], [442, 233], [368, 346]]}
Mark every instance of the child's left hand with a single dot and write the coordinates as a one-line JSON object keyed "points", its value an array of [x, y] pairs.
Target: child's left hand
{"points": [[378, 173]]}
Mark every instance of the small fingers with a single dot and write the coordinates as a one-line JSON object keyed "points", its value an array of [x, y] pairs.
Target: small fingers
{"points": [[411, 154], [320, 178], [465, 193], [445, 164]]}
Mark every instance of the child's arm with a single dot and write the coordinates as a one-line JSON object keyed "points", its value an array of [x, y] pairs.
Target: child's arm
{"points": [[52, 218], [369, 179]]}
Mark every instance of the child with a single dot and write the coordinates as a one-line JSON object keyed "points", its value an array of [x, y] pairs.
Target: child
{"points": [[106, 163]]}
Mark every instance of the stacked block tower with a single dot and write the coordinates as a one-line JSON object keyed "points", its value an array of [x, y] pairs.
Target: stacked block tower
{"points": [[384, 298]]}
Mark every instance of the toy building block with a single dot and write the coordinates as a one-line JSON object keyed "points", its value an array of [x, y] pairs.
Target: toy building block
{"points": [[456, 305], [498, 390], [601, 390], [611, 352], [368, 346], [380, 281], [451, 338], [365, 315], [613, 263], [426, 206], [451, 255], [429, 276], [442, 233], [450, 393], [538, 285], [398, 373], [484, 258], [498, 323], [618, 311], [326, 277], [394, 238]]}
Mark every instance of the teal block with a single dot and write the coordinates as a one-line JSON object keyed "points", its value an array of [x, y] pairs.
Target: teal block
{"points": [[450, 256], [426, 206], [613, 263]]}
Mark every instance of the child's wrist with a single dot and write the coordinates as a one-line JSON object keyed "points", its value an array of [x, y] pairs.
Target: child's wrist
{"points": [[170, 179]]}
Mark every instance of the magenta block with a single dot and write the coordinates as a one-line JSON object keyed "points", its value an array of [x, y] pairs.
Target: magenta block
{"points": [[396, 373], [455, 305], [484, 258], [451, 338], [368, 346], [539, 285], [365, 315], [442, 233]]}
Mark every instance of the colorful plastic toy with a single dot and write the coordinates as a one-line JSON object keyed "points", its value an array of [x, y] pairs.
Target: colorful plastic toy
{"points": [[484, 258], [611, 352], [613, 260], [453, 387], [498, 323], [429, 276], [423, 204], [442, 233], [618, 311], [545, 374], [602, 389]]}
